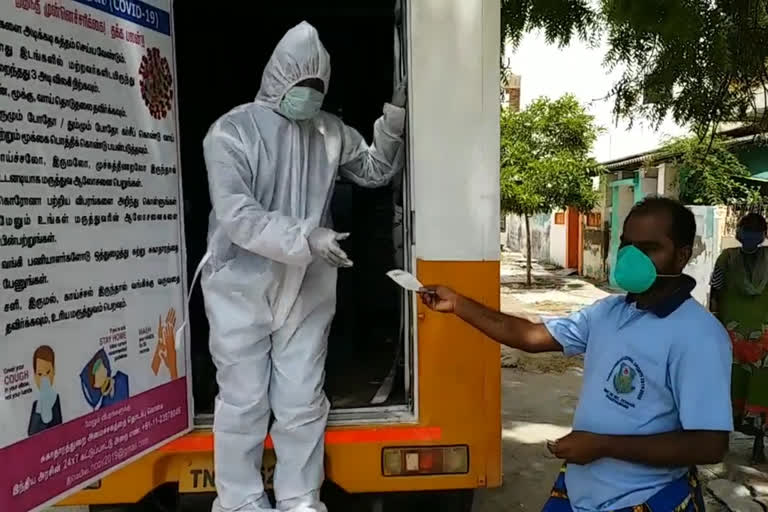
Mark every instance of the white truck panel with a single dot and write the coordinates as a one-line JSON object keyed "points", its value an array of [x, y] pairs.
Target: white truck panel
{"points": [[454, 128]]}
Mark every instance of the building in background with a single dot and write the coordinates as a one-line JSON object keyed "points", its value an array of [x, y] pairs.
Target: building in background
{"points": [[511, 92], [568, 239]]}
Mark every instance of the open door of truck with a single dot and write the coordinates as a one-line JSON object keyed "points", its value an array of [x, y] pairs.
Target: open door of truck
{"points": [[95, 363]]}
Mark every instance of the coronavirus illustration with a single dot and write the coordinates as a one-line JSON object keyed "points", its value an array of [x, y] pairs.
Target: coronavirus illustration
{"points": [[156, 83]]}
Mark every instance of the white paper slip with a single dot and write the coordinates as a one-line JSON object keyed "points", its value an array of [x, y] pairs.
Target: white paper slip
{"points": [[405, 280]]}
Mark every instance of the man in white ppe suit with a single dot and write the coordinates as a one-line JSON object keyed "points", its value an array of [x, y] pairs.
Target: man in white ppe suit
{"points": [[270, 283]]}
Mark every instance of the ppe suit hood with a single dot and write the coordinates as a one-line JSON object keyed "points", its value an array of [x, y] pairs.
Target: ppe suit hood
{"points": [[298, 56]]}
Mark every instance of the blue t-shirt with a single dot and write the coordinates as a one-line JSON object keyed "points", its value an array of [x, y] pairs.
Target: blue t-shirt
{"points": [[644, 373]]}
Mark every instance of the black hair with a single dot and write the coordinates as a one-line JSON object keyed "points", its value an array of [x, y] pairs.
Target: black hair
{"points": [[754, 222], [682, 230]]}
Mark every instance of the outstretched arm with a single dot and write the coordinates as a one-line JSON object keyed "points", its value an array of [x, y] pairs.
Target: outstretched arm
{"points": [[508, 330]]}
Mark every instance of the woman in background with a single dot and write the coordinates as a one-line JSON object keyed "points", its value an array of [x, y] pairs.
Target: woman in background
{"points": [[739, 298]]}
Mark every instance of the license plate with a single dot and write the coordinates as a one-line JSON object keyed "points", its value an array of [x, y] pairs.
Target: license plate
{"points": [[198, 476]]}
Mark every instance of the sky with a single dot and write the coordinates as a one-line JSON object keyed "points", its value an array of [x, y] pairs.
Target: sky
{"points": [[550, 71]]}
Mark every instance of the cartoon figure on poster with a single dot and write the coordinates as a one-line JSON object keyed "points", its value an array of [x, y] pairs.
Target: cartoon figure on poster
{"points": [[46, 410], [101, 387]]}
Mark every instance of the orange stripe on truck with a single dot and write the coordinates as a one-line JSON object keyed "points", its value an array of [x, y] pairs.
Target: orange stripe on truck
{"points": [[203, 441]]}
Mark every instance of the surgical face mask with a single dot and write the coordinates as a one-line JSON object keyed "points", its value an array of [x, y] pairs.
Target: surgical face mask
{"points": [[301, 103], [750, 240], [46, 400], [635, 272]]}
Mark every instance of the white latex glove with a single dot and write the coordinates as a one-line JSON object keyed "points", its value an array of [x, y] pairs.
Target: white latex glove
{"points": [[324, 242], [400, 96]]}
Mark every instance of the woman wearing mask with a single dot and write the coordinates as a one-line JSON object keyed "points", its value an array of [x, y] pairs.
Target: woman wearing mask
{"points": [[739, 298]]}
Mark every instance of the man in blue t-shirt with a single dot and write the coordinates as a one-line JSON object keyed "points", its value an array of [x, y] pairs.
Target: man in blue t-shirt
{"points": [[655, 400]]}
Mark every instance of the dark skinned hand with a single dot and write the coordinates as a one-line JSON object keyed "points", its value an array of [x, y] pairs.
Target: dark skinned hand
{"points": [[578, 448]]}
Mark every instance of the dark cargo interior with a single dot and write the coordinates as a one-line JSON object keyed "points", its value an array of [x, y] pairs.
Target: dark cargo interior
{"points": [[220, 58]]}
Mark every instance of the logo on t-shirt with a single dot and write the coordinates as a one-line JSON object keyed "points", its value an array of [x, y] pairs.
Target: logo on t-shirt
{"points": [[624, 379], [626, 383]]}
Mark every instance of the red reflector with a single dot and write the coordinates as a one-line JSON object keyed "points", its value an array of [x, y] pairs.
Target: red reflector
{"points": [[426, 461]]}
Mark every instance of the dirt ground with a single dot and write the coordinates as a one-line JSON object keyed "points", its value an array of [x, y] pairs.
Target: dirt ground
{"points": [[537, 407]]}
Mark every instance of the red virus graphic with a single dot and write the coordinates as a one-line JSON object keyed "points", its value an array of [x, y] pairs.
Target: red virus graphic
{"points": [[156, 83]]}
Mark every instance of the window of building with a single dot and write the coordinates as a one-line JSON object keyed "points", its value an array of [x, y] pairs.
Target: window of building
{"points": [[594, 220]]}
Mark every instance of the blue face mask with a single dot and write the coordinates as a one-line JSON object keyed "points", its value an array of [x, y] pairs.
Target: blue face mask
{"points": [[46, 400], [635, 272], [301, 103], [750, 240]]}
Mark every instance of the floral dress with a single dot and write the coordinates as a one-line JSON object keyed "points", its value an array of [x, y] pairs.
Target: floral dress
{"points": [[740, 280]]}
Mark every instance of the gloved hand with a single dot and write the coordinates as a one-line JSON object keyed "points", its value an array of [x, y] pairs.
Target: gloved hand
{"points": [[400, 96], [324, 242]]}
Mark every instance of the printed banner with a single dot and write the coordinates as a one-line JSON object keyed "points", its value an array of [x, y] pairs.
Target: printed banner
{"points": [[91, 245]]}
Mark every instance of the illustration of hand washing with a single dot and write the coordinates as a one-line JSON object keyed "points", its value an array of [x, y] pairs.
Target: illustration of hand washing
{"points": [[165, 351]]}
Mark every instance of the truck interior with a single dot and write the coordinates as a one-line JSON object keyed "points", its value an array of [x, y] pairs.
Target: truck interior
{"points": [[220, 55]]}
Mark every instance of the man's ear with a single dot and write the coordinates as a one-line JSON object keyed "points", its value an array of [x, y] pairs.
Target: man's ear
{"points": [[684, 256]]}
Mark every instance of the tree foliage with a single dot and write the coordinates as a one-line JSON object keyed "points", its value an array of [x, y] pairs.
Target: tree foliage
{"points": [[545, 157], [702, 61], [709, 173]]}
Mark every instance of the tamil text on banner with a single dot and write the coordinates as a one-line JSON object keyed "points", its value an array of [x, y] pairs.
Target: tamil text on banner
{"points": [[91, 246]]}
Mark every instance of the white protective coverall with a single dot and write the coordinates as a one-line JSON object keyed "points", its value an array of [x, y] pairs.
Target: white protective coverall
{"points": [[269, 301]]}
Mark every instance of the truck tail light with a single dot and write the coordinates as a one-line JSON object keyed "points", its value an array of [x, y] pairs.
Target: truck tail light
{"points": [[427, 460]]}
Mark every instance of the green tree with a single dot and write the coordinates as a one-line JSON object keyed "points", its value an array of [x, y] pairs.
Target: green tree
{"points": [[545, 160], [702, 61], [709, 173]]}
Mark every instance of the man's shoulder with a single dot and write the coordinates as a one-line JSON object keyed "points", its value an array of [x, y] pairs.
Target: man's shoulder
{"points": [[597, 310], [698, 324], [692, 311], [607, 304], [242, 115]]}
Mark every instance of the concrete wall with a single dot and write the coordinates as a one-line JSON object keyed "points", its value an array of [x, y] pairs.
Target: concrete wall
{"points": [[595, 239], [668, 180], [595, 252], [541, 226], [650, 186], [710, 221], [557, 244], [515, 240]]}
